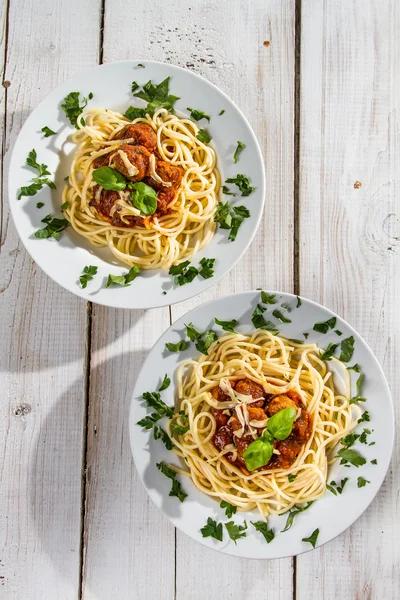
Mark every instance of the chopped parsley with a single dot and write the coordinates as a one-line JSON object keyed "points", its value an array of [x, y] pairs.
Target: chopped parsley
{"points": [[198, 114], [160, 434], [73, 109], [306, 335], [268, 298], [374, 462], [123, 280], [176, 489], [47, 131], [347, 349], [335, 488], [227, 325], [313, 538], [349, 440], [149, 421], [221, 112], [64, 205], [278, 315], [363, 436], [262, 527], [165, 383], [179, 429], [140, 65], [203, 136], [39, 204], [212, 529], [298, 302], [259, 322], [236, 531], [292, 477], [229, 217], [229, 508], [226, 191], [329, 352], [296, 341], [156, 96], [325, 326], [357, 369], [182, 345], [87, 275], [207, 269], [192, 333], [38, 182], [134, 86], [29, 190], [351, 456], [361, 482], [204, 342], [153, 400], [292, 514], [31, 161], [243, 184], [54, 227], [338, 332], [364, 417], [133, 113], [240, 146]]}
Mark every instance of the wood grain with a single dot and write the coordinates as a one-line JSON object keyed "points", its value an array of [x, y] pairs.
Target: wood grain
{"points": [[43, 343], [349, 243]]}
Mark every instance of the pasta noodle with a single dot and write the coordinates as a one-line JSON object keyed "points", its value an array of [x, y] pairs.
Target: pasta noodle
{"points": [[165, 239], [279, 365]]}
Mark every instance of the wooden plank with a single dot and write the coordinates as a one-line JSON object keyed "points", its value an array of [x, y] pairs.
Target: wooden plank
{"points": [[260, 79], [349, 242], [43, 345]]}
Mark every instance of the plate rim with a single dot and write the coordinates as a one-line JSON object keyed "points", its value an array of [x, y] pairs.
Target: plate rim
{"points": [[83, 293], [131, 423]]}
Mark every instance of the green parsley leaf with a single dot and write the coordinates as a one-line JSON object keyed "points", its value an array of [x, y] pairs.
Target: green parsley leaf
{"points": [[212, 529], [313, 538], [349, 440], [306, 335], [239, 148], [260, 323], [198, 114], [153, 400], [361, 482], [157, 96], [182, 345], [149, 421], [325, 326], [166, 470], [192, 333], [236, 531], [262, 527], [72, 108], [45, 181], [240, 213], [134, 86], [331, 488], [296, 341], [133, 113], [351, 456], [109, 178], [90, 95], [54, 227], [177, 491], [140, 65], [364, 417], [374, 462], [203, 345], [357, 399], [179, 429], [207, 270], [160, 434], [184, 273], [363, 436], [338, 332], [47, 131], [229, 508], [226, 191], [278, 315], [144, 198], [39, 204], [87, 275], [293, 513], [292, 477], [203, 136], [64, 205], [243, 184], [223, 215], [268, 298], [347, 349], [123, 280], [165, 383], [298, 302], [329, 352], [221, 112], [31, 161], [227, 325], [29, 190]]}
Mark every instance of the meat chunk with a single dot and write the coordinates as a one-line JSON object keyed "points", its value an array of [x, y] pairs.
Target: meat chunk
{"points": [[219, 395], [295, 397], [255, 413], [278, 403], [222, 437], [136, 156], [302, 427], [141, 134], [164, 199], [289, 450], [219, 417], [250, 388], [103, 201], [242, 444], [168, 173]]}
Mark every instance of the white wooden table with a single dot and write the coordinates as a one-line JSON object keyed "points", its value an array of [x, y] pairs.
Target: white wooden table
{"points": [[323, 99]]}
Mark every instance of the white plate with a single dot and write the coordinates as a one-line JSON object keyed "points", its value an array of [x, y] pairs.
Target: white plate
{"points": [[331, 514], [63, 261]]}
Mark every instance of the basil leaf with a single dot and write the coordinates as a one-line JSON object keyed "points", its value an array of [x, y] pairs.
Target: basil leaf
{"points": [[329, 352], [239, 148], [351, 456], [293, 513], [281, 423], [278, 315], [227, 325], [313, 538], [325, 326], [229, 508], [257, 454], [268, 298], [207, 265], [212, 529], [182, 345], [109, 178], [47, 131], [203, 136], [262, 527], [236, 531], [165, 383], [144, 198], [243, 184], [198, 114], [87, 275], [153, 400], [347, 349]]}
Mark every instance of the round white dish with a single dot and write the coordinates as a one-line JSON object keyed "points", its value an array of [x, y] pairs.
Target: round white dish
{"points": [[110, 84], [331, 514]]}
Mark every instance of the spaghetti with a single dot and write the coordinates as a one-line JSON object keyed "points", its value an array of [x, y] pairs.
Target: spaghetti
{"points": [[282, 369], [148, 242]]}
